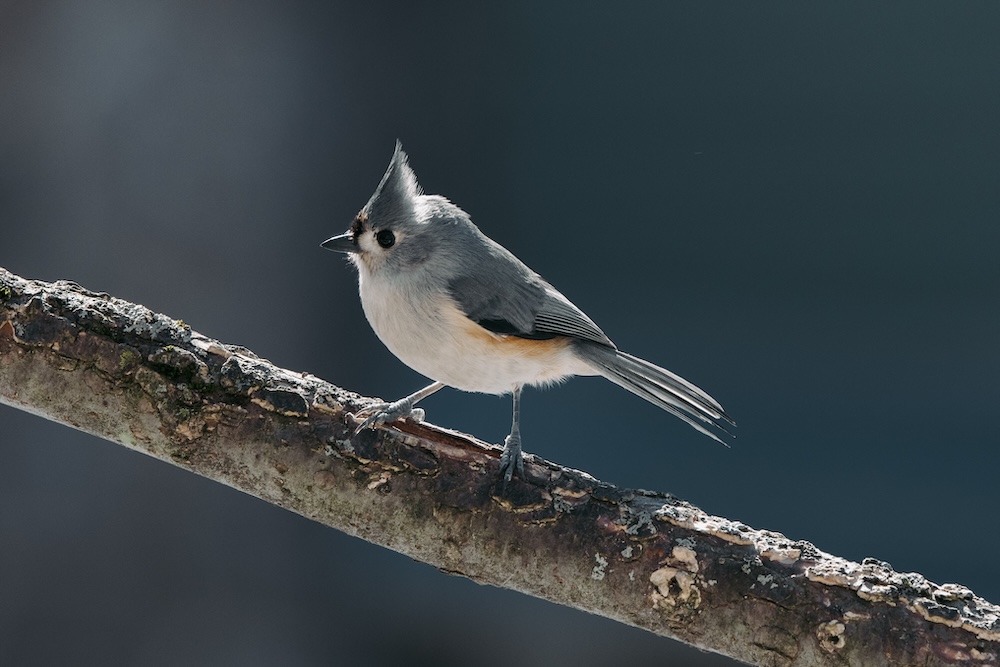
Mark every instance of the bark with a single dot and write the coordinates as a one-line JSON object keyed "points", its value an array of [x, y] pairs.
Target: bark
{"points": [[121, 372]]}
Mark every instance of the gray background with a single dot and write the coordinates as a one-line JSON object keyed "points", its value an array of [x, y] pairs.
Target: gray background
{"points": [[792, 205]]}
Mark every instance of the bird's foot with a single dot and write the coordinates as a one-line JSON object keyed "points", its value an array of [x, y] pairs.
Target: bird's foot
{"points": [[511, 460], [384, 413]]}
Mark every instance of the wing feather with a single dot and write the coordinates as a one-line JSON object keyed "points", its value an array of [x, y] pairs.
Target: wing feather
{"points": [[558, 315], [506, 297]]}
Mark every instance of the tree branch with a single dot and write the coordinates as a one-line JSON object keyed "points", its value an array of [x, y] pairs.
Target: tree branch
{"points": [[121, 372]]}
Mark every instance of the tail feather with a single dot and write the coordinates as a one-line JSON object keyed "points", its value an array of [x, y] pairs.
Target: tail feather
{"points": [[675, 385], [660, 387]]}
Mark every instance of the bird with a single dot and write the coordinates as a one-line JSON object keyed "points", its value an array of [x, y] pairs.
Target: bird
{"points": [[459, 308]]}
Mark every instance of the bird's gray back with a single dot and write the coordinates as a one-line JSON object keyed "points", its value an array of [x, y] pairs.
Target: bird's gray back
{"points": [[500, 292]]}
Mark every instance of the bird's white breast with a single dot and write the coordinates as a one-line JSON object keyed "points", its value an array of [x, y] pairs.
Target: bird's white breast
{"points": [[427, 331]]}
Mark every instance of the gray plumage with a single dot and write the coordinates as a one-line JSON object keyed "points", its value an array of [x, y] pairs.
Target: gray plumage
{"points": [[425, 268]]}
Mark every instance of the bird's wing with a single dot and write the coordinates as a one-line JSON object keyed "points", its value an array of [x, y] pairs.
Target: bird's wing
{"points": [[506, 297], [558, 315]]}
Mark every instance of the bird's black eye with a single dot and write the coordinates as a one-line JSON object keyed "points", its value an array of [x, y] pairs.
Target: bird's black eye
{"points": [[385, 238]]}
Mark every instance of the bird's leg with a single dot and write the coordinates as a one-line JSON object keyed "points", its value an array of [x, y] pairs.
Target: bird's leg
{"points": [[390, 412], [512, 460]]}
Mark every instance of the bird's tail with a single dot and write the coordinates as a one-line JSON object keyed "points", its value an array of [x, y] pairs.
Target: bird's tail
{"points": [[658, 386]]}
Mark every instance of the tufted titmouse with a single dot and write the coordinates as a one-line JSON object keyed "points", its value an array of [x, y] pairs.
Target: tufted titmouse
{"points": [[458, 307]]}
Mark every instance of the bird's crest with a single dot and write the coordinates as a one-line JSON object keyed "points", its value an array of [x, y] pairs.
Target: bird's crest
{"points": [[394, 197]]}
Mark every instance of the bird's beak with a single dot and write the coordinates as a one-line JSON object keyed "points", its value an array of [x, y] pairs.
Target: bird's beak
{"points": [[342, 243]]}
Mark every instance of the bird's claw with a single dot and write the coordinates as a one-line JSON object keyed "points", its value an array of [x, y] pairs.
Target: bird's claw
{"points": [[383, 413], [511, 460]]}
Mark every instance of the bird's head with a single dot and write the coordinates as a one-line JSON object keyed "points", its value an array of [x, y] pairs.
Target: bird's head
{"points": [[393, 232]]}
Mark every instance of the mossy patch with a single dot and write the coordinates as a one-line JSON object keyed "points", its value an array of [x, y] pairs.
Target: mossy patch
{"points": [[127, 360]]}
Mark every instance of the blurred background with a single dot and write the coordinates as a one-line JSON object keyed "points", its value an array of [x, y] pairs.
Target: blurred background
{"points": [[793, 205]]}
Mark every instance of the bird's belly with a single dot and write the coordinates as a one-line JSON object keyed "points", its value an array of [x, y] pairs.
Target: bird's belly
{"points": [[439, 341]]}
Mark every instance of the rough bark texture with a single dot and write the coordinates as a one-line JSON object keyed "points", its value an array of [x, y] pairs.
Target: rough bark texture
{"points": [[124, 373]]}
